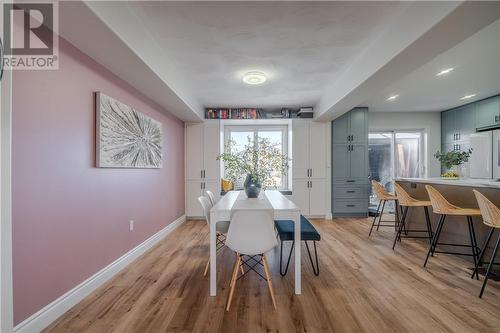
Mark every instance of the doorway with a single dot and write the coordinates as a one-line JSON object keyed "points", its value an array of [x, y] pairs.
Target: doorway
{"points": [[395, 154]]}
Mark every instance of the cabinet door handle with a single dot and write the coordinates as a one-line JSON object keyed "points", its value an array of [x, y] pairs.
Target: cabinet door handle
{"points": [[204, 173], [311, 184], [350, 181], [351, 191], [496, 119], [201, 185], [351, 205], [348, 138], [352, 137], [311, 173]]}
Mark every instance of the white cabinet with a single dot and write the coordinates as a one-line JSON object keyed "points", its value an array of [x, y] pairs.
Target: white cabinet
{"points": [[317, 196], [309, 164], [202, 167]]}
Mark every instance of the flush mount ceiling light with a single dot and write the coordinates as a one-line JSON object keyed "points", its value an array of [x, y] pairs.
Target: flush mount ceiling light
{"points": [[467, 96], [392, 98], [254, 78], [445, 71]]}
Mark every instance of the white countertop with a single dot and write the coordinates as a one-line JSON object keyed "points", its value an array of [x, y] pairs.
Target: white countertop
{"points": [[458, 182]]}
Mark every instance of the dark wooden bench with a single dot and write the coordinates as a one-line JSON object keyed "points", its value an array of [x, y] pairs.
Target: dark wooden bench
{"points": [[286, 230]]}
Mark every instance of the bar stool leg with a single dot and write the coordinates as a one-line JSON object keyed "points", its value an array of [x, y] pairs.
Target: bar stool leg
{"points": [[478, 250], [489, 267], [401, 225], [435, 239], [375, 218], [428, 222], [479, 263], [381, 214], [396, 215], [475, 255]]}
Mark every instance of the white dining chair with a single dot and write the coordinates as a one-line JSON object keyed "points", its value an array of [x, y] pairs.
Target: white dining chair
{"points": [[221, 228], [211, 197], [251, 233]]}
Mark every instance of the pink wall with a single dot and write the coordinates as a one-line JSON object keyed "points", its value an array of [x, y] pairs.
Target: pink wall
{"points": [[71, 219]]}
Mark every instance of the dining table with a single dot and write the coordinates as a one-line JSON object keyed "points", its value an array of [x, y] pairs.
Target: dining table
{"points": [[283, 208]]}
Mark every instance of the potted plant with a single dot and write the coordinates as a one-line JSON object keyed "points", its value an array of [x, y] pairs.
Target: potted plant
{"points": [[262, 162], [452, 161]]}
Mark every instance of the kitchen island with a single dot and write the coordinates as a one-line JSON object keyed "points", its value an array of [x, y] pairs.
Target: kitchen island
{"points": [[458, 192]]}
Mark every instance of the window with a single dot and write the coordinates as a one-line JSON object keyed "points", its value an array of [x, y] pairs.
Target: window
{"points": [[395, 154], [241, 135]]}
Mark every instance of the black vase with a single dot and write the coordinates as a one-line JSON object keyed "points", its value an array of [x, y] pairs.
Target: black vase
{"points": [[252, 188]]}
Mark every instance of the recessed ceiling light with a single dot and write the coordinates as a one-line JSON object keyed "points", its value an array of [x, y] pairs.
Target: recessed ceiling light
{"points": [[468, 96], [445, 71], [392, 98], [254, 78]]}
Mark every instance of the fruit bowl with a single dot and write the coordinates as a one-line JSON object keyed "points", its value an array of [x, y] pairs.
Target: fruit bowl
{"points": [[450, 175]]}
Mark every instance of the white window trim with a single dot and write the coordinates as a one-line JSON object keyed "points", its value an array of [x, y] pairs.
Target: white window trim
{"points": [[283, 125]]}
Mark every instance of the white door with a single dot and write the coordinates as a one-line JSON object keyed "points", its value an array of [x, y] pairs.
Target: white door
{"points": [[300, 195], [317, 147], [194, 151], [317, 197], [211, 142], [300, 144], [193, 191]]}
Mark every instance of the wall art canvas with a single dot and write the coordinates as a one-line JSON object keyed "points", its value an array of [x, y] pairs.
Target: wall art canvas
{"points": [[125, 137]]}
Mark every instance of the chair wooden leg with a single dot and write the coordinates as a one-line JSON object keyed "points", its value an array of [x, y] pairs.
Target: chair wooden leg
{"points": [[269, 282], [206, 267], [233, 281]]}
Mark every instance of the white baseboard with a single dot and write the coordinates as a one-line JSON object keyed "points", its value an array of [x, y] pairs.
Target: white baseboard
{"points": [[45, 316]]}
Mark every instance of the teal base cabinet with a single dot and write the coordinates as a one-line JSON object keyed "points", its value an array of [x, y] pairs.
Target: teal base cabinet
{"points": [[350, 184]]}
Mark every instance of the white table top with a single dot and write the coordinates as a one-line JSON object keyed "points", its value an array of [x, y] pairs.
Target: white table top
{"points": [[269, 199]]}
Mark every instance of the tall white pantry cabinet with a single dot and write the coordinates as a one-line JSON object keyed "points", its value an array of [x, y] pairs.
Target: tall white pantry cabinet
{"points": [[310, 145], [201, 165], [310, 175]]}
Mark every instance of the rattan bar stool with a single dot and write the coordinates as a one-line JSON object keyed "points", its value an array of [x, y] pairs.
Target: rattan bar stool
{"points": [[442, 207], [406, 201], [491, 218], [383, 196]]}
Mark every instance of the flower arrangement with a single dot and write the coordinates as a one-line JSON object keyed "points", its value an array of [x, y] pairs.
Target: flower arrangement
{"points": [[453, 158], [262, 160]]}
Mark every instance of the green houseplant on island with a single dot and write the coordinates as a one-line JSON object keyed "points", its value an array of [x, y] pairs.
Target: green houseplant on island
{"points": [[452, 161], [260, 161]]}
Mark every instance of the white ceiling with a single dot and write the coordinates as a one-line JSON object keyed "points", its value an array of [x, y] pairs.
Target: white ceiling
{"points": [[299, 45], [330, 55], [476, 63]]}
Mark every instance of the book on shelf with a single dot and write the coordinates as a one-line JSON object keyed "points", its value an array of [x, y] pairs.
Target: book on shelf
{"points": [[232, 113]]}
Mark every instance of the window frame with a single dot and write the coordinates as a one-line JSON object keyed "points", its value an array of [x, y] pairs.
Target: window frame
{"points": [[285, 147]]}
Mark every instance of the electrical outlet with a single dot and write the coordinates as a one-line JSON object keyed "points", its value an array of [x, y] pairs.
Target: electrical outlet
{"points": [[131, 225]]}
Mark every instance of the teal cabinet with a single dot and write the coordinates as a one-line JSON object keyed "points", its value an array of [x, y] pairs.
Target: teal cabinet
{"points": [[448, 133], [340, 129], [465, 121], [359, 161], [487, 113], [350, 185], [358, 125], [458, 124], [340, 161]]}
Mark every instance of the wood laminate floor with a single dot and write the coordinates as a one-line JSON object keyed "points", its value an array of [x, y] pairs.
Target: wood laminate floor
{"points": [[364, 286]]}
